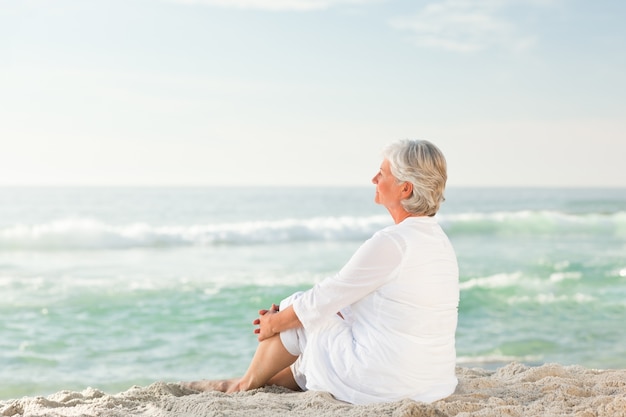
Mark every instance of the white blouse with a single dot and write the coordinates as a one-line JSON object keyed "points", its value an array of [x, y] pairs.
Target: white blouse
{"points": [[399, 296]]}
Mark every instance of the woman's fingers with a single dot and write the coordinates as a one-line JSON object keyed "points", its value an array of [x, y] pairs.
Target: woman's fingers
{"points": [[257, 321]]}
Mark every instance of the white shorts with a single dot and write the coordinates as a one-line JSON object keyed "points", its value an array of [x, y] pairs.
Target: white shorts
{"points": [[294, 340]]}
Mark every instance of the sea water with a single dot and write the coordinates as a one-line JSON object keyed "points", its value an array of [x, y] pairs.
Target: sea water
{"points": [[115, 287]]}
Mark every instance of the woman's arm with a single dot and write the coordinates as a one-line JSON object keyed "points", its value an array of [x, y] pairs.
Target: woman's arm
{"points": [[370, 267], [272, 322], [373, 265]]}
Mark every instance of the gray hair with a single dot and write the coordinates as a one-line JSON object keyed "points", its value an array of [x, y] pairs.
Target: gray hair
{"points": [[423, 165]]}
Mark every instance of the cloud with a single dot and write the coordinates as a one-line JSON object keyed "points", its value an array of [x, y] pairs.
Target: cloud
{"points": [[275, 5], [468, 25]]}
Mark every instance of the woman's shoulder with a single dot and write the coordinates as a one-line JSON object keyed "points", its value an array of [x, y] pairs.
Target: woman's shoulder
{"points": [[392, 235]]}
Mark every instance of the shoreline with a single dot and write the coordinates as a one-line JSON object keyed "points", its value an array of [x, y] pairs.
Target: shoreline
{"points": [[514, 389]]}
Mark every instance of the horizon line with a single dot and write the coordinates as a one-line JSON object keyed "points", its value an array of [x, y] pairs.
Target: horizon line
{"points": [[516, 186]]}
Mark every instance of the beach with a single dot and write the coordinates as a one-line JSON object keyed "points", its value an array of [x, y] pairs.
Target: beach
{"points": [[513, 390], [120, 288], [172, 169]]}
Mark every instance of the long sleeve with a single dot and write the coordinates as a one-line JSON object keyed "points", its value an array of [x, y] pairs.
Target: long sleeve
{"points": [[372, 265]]}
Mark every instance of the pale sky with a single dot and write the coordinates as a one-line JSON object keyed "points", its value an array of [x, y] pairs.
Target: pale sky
{"points": [[307, 92]]}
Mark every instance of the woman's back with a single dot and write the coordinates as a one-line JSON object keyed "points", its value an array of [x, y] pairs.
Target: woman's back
{"points": [[404, 331]]}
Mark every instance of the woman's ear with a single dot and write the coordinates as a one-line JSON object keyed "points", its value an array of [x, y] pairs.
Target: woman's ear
{"points": [[407, 190]]}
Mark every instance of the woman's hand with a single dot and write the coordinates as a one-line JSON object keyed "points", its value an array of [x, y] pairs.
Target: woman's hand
{"points": [[264, 331]]}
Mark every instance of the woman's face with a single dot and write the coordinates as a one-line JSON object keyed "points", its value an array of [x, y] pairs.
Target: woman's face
{"points": [[388, 191]]}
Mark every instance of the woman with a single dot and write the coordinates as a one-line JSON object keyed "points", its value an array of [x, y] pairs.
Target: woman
{"points": [[382, 329]]}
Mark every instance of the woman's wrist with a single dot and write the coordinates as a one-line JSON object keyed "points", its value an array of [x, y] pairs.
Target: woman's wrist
{"points": [[284, 320]]}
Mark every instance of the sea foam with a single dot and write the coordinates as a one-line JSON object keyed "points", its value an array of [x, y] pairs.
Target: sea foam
{"points": [[73, 234], [89, 233]]}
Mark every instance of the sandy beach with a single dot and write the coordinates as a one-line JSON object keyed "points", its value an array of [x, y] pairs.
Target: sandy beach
{"points": [[513, 390]]}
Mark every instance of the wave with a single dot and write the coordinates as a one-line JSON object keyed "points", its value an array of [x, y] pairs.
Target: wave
{"points": [[502, 280], [493, 361], [86, 233], [537, 223], [70, 234]]}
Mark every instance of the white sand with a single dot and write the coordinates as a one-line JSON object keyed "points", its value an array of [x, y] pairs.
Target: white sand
{"points": [[514, 390]]}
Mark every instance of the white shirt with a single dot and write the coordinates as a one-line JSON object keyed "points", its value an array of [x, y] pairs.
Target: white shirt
{"points": [[399, 296]]}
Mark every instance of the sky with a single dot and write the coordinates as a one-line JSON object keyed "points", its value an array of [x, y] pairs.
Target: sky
{"points": [[308, 92]]}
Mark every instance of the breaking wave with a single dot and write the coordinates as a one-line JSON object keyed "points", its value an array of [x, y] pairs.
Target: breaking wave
{"points": [[86, 233]]}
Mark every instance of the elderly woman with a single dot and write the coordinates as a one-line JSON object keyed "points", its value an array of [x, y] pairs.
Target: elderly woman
{"points": [[382, 328]]}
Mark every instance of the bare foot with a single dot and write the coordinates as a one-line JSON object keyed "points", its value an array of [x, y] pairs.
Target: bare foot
{"points": [[224, 385]]}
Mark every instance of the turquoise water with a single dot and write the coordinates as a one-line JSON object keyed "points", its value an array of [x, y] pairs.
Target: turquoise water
{"points": [[114, 287]]}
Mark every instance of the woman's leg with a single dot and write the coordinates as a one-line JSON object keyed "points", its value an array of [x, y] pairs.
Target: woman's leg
{"points": [[269, 361], [285, 379], [269, 366]]}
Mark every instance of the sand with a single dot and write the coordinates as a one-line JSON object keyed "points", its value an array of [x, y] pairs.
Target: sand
{"points": [[513, 390]]}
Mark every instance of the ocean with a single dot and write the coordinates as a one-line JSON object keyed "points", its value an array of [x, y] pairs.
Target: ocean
{"points": [[115, 287]]}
